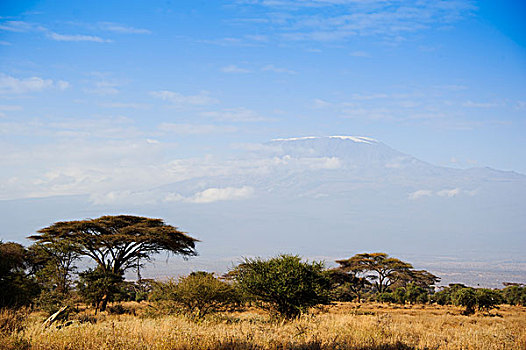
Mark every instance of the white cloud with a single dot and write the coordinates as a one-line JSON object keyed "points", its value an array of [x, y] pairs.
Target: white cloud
{"points": [[234, 69], [257, 38], [122, 29], [272, 68], [328, 163], [196, 129], [449, 192], [77, 37], [125, 197], [222, 194], [180, 100], [452, 87], [10, 108], [24, 27], [420, 194], [124, 105], [319, 103], [12, 85], [240, 114], [63, 85], [359, 54], [16, 26], [210, 195], [104, 87], [361, 97], [344, 19], [479, 104]]}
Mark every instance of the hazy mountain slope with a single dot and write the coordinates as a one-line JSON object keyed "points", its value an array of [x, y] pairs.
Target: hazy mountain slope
{"points": [[326, 196]]}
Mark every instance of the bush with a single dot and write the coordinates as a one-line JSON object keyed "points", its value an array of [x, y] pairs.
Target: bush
{"points": [[442, 298], [465, 297], [18, 287], [284, 284], [399, 295], [416, 294], [514, 295], [98, 287], [199, 293], [386, 297], [488, 299]]}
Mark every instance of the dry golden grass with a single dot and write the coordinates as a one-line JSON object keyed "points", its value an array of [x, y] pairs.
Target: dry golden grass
{"points": [[343, 326]]}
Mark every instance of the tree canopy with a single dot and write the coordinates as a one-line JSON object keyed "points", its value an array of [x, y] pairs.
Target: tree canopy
{"points": [[385, 270], [117, 243], [285, 284], [17, 286]]}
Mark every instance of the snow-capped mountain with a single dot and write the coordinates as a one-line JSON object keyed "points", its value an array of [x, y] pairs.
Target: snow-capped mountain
{"points": [[328, 196]]}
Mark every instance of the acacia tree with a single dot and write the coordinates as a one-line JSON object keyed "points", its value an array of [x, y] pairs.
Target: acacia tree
{"points": [[117, 243], [17, 284], [347, 285], [53, 265], [419, 278], [379, 267]]}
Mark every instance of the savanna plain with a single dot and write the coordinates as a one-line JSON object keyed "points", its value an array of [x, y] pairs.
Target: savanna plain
{"points": [[348, 325]]}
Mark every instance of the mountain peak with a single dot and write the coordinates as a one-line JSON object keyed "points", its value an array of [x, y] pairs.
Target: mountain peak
{"points": [[361, 139]]}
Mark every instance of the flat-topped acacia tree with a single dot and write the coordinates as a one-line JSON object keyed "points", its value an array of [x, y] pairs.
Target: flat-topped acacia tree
{"points": [[117, 243], [386, 270]]}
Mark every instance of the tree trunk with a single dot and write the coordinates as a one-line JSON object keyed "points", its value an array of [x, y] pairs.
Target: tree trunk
{"points": [[104, 302]]}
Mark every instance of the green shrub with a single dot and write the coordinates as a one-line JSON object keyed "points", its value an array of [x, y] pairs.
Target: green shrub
{"points": [[465, 297], [488, 299], [99, 287], [18, 286], [284, 284], [386, 297], [442, 297], [399, 295], [416, 294], [514, 295], [199, 293]]}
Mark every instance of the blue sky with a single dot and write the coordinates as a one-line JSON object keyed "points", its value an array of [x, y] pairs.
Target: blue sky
{"points": [[93, 91]]}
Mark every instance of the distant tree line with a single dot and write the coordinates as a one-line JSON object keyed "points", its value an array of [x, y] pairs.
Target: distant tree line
{"points": [[45, 275]]}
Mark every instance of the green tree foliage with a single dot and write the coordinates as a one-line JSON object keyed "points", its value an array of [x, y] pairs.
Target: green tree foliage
{"points": [[98, 286], [285, 284], [135, 290], [377, 267], [400, 295], [117, 243], [199, 293], [488, 299], [18, 286], [514, 295], [417, 278], [416, 294], [465, 297], [471, 299], [347, 286], [54, 264], [386, 297]]}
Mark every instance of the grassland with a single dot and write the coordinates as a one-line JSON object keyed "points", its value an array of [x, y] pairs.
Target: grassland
{"points": [[343, 326]]}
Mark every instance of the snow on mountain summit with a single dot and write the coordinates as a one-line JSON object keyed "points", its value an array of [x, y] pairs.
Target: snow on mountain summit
{"points": [[341, 137]]}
